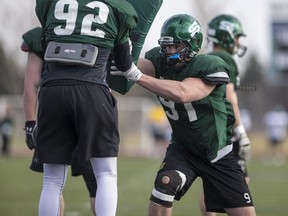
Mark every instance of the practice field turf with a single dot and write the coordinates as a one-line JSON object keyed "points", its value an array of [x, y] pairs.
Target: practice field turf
{"points": [[20, 189]]}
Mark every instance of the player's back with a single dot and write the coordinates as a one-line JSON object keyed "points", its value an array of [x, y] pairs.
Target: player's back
{"points": [[100, 23]]}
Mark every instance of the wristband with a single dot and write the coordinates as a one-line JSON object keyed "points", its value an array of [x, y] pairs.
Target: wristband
{"points": [[30, 123]]}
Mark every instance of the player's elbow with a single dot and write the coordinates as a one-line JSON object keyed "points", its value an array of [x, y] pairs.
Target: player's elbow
{"points": [[181, 97]]}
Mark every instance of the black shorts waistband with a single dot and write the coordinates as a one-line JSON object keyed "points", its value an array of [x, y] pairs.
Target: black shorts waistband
{"points": [[67, 82]]}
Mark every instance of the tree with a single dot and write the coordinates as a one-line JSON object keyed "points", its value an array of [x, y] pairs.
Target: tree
{"points": [[11, 78]]}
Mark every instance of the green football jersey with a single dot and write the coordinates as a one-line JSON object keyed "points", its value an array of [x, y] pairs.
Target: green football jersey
{"points": [[101, 23], [234, 73], [204, 127]]}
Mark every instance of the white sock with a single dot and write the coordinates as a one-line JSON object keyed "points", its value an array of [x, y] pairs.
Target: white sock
{"points": [[53, 182], [105, 170]]}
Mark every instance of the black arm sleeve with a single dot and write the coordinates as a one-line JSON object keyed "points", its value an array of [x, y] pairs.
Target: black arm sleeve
{"points": [[122, 56]]}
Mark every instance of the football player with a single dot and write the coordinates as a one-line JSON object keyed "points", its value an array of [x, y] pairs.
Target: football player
{"points": [[223, 37], [34, 67], [74, 26], [191, 89]]}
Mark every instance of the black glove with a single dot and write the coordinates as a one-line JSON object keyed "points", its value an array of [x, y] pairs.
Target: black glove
{"points": [[31, 130]]}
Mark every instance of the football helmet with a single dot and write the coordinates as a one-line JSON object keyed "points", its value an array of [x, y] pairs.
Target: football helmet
{"points": [[183, 29], [225, 30]]}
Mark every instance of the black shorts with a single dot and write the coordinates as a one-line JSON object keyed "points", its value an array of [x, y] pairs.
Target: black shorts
{"points": [[241, 161], [223, 181], [76, 114]]}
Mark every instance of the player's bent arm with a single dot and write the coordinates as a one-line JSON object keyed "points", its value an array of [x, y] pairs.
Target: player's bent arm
{"points": [[233, 99], [190, 89], [31, 85], [238, 129]]}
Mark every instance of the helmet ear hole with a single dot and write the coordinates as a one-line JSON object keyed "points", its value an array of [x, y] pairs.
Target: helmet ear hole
{"points": [[198, 38]]}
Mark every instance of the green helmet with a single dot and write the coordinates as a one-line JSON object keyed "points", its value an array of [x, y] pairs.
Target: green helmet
{"points": [[223, 30], [184, 29]]}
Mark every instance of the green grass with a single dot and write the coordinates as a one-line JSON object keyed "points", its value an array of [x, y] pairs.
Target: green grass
{"points": [[20, 189]]}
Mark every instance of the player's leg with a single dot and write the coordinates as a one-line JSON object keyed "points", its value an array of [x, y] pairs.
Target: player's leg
{"points": [[242, 164], [49, 137], [53, 183], [172, 181], [91, 184], [105, 170], [37, 166], [62, 205], [86, 170], [97, 129], [166, 186], [243, 211], [203, 207], [221, 181], [5, 145], [158, 210]]}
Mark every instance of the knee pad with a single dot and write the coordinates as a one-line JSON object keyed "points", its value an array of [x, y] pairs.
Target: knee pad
{"points": [[167, 184]]}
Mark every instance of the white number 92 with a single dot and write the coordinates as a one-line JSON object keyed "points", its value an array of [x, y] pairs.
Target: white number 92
{"points": [[67, 10]]}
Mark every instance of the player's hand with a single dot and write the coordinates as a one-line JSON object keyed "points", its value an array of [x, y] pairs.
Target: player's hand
{"points": [[133, 74], [30, 129], [244, 147], [244, 142]]}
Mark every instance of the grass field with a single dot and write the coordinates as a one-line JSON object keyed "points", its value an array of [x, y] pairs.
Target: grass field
{"points": [[20, 189]]}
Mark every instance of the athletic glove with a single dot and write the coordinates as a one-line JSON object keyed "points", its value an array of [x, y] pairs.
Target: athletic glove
{"points": [[30, 129], [133, 74], [244, 142]]}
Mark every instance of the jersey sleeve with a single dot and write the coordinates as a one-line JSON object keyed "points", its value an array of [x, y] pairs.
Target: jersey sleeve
{"points": [[211, 69], [32, 42], [127, 19], [233, 73]]}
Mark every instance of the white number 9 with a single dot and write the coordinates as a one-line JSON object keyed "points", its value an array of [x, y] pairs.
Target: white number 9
{"points": [[69, 16], [247, 197]]}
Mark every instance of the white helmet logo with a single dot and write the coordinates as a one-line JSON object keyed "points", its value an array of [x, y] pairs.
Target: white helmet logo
{"points": [[194, 28]]}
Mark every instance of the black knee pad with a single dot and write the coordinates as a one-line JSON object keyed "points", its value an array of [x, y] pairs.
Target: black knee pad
{"points": [[164, 193]]}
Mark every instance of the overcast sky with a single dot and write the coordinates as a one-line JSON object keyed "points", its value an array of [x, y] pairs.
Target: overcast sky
{"points": [[18, 16]]}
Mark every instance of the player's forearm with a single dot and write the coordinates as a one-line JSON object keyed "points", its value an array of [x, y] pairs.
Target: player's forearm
{"points": [[30, 104], [188, 90], [162, 88]]}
